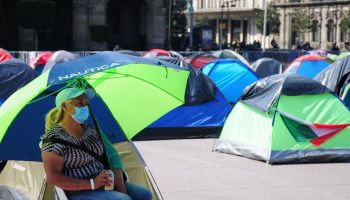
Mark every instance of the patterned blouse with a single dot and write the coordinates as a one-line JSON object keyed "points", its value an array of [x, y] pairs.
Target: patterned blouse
{"points": [[77, 163]]}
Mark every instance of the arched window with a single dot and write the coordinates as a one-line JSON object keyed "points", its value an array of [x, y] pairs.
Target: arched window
{"points": [[330, 30], [315, 31], [344, 36]]}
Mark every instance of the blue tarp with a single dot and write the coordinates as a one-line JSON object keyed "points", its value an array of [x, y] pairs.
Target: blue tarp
{"points": [[14, 74], [230, 76]]}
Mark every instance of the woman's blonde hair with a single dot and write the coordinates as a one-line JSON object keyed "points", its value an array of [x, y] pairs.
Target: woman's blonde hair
{"points": [[53, 117]]}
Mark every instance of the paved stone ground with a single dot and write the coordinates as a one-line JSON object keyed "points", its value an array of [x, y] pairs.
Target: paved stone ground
{"points": [[189, 170]]}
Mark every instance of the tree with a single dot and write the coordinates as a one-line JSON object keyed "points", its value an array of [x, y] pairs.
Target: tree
{"points": [[273, 22], [178, 23], [344, 27], [301, 22], [345, 23], [201, 21], [178, 18]]}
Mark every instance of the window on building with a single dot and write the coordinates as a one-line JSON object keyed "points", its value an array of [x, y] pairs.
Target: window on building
{"points": [[295, 38], [315, 31], [344, 36], [330, 30], [236, 30], [294, 1]]}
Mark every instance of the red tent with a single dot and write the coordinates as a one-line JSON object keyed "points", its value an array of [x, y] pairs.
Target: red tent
{"points": [[156, 52], [4, 55], [199, 61], [41, 59]]}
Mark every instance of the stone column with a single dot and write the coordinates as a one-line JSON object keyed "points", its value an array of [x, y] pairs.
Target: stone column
{"points": [[253, 30], [229, 32], [249, 32], [282, 40], [156, 24], [288, 28], [323, 29], [98, 14], [241, 31], [217, 31], [29, 39], [338, 32], [80, 24]]}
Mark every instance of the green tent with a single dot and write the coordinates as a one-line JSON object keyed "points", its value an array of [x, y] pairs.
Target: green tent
{"points": [[287, 119], [332, 57], [342, 55]]}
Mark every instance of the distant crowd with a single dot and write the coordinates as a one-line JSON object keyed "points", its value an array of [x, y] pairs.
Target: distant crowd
{"points": [[256, 46]]}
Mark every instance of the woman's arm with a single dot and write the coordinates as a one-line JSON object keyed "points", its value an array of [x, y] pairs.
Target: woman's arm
{"points": [[53, 168], [119, 184], [116, 164]]}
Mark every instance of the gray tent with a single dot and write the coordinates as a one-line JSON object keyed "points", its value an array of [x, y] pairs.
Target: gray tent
{"points": [[336, 76], [14, 74], [265, 67]]}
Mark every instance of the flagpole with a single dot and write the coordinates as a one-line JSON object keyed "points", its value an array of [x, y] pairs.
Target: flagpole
{"points": [[264, 29]]}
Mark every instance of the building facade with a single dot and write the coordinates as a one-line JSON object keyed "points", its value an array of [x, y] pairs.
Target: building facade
{"points": [[231, 20], [82, 24], [326, 18]]}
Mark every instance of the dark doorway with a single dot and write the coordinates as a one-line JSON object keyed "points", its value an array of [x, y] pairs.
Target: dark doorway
{"points": [[62, 30], [245, 30], [236, 31], [295, 38], [59, 36], [45, 24], [9, 25], [127, 21]]}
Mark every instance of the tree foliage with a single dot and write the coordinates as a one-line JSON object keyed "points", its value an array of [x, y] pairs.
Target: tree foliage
{"points": [[178, 23], [272, 20], [201, 21], [345, 23], [178, 18], [301, 21]]}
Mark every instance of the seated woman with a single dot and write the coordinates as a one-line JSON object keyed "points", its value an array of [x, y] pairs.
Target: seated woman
{"points": [[74, 156]]}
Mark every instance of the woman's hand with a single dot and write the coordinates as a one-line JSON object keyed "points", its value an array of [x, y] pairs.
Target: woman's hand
{"points": [[102, 179]]}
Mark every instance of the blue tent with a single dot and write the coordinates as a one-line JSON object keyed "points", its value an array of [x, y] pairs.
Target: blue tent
{"points": [[230, 76], [14, 74], [308, 65]]}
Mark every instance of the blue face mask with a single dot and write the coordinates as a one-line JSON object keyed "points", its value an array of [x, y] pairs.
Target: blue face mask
{"points": [[81, 114]]}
